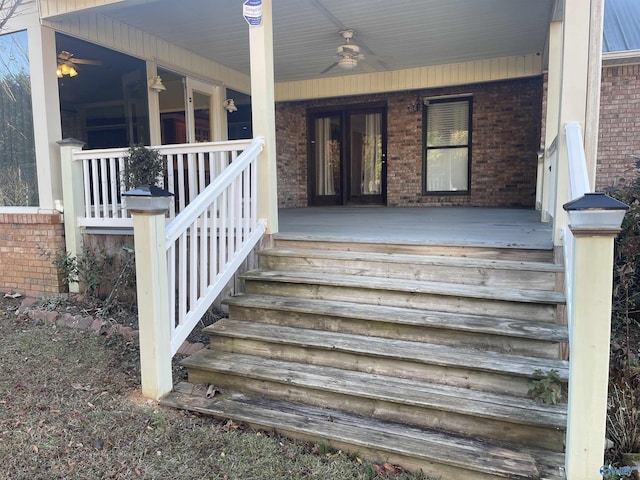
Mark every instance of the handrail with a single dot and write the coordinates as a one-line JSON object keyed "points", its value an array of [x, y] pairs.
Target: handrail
{"points": [[204, 200], [578, 186], [209, 239], [171, 149], [578, 176], [189, 168]]}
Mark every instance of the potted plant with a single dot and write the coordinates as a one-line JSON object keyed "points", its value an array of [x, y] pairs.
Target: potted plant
{"points": [[142, 166]]}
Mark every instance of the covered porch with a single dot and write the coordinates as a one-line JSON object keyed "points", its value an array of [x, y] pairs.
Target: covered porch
{"points": [[212, 233]]}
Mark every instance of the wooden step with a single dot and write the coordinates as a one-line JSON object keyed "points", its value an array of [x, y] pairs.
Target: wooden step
{"points": [[437, 454], [470, 271], [469, 368], [496, 252], [463, 411], [472, 299], [519, 337]]}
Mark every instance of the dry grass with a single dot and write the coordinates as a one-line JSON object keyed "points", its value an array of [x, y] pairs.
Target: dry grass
{"points": [[70, 409]]}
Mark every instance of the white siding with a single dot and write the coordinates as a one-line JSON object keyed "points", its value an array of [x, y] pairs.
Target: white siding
{"points": [[414, 78], [51, 8]]}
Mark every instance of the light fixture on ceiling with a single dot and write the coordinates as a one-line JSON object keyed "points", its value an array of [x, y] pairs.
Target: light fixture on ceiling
{"points": [[64, 69], [347, 63], [230, 105], [156, 84], [347, 55]]}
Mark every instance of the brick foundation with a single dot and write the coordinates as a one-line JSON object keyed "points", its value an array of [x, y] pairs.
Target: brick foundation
{"points": [[23, 240], [506, 138]]}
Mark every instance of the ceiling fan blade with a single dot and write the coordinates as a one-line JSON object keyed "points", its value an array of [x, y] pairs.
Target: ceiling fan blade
{"points": [[329, 68], [84, 61]]}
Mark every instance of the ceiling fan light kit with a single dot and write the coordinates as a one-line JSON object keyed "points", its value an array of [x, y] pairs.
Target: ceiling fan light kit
{"points": [[66, 64], [347, 63], [347, 54]]}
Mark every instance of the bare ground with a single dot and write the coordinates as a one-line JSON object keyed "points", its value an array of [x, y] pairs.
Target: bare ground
{"points": [[70, 408]]}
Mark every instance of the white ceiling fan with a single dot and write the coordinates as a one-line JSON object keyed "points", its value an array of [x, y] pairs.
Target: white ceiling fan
{"points": [[67, 64], [347, 55]]}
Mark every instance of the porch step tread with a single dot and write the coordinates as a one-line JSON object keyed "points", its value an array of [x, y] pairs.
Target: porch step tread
{"points": [[419, 352], [385, 439], [502, 252], [382, 388], [414, 259], [408, 316], [409, 286]]}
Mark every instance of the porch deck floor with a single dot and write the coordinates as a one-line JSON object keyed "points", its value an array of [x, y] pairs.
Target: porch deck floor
{"points": [[459, 226]]}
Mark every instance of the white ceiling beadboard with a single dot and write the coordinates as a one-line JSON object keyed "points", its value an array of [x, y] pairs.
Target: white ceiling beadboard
{"points": [[419, 40]]}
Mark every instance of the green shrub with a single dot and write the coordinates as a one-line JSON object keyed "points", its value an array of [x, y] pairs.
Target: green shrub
{"points": [[142, 166]]}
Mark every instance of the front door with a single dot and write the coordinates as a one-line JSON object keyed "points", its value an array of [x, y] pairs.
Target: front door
{"points": [[348, 157]]}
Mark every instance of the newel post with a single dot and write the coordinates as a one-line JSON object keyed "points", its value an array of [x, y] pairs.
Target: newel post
{"points": [[594, 220], [72, 199], [148, 205]]}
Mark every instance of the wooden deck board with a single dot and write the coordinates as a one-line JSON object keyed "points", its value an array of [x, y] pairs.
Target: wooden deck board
{"points": [[408, 316], [402, 391], [434, 452], [410, 286], [387, 348]]}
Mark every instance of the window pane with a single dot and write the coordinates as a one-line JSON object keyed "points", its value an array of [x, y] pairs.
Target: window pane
{"points": [[327, 155], [366, 154], [447, 170], [18, 180], [448, 124]]}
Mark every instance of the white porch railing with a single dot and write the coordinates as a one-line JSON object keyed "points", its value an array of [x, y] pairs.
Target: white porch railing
{"points": [[209, 239], [189, 169], [578, 186], [182, 264], [182, 267]]}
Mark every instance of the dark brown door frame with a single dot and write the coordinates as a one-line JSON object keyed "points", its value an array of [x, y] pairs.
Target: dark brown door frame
{"points": [[344, 112]]}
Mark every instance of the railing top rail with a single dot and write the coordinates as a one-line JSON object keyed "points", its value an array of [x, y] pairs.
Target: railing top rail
{"points": [[166, 149], [203, 201], [578, 177]]}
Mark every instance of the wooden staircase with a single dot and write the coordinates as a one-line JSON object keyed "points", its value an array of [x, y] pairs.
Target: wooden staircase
{"points": [[416, 355]]}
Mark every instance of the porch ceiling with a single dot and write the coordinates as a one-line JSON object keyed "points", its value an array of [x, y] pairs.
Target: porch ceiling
{"points": [[392, 35]]}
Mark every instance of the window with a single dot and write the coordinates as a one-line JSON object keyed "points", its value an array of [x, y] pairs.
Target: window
{"points": [[447, 145], [18, 180]]}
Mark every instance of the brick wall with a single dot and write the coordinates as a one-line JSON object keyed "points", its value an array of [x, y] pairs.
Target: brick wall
{"points": [[619, 136], [506, 138], [291, 134], [23, 239]]}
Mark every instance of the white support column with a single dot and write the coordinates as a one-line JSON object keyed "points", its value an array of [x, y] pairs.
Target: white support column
{"points": [[220, 115], [153, 301], [589, 370], [72, 199], [554, 78], [46, 118], [263, 114], [594, 80], [155, 138], [575, 96]]}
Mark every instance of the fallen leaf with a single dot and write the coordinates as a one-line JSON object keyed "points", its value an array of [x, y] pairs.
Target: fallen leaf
{"points": [[391, 468]]}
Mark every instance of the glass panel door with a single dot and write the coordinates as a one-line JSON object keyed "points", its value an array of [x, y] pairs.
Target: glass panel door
{"points": [[347, 156], [200, 102], [173, 111], [366, 157], [327, 152]]}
